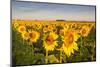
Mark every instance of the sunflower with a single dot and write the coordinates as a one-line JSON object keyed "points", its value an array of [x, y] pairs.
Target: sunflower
{"points": [[25, 35], [21, 29], [33, 26], [45, 29], [54, 25], [74, 25], [15, 24], [49, 41], [66, 25], [69, 42], [50, 28], [85, 30], [38, 26], [62, 31], [34, 36]]}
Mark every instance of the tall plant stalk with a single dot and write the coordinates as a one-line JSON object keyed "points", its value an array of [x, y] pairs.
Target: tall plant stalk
{"points": [[60, 56], [46, 60]]}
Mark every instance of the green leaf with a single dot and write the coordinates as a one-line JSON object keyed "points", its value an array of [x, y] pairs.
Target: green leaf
{"points": [[52, 59]]}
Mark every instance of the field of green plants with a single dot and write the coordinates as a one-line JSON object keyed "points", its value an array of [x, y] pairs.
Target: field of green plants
{"points": [[50, 42]]}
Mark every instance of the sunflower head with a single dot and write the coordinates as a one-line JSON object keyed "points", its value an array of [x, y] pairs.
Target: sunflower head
{"points": [[62, 31], [70, 36], [54, 25], [45, 29], [39, 26], [21, 29], [73, 26], [68, 39], [50, 28], [34, 26], [69, 42], [49, 41], [66, 26], [25, 35], [34, 36], [15, 24], [85, 30]]}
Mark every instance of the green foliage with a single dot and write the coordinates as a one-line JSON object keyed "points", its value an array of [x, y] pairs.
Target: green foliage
{"points": [[24, 54], [52, 59]]}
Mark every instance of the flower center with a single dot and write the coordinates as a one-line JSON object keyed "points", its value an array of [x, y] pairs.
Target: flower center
{"points": [[83, 31], [68, 40], [15, 25], [49, 40], [22, 29], [32, 35]]}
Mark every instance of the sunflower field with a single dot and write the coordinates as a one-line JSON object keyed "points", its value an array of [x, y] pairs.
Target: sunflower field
{"points": [[48, 42]]}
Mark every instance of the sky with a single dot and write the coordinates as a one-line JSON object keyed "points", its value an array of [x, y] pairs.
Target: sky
{"points": [[52, 11]]}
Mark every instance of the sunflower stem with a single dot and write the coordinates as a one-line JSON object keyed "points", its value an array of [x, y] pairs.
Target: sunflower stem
{"points": [[60, 56], [23, 41], [32, 47], [81, 42], [30, 43], [46, 57]]}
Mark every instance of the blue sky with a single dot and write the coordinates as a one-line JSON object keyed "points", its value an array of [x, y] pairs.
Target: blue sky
{"points": [[48, 11]]}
